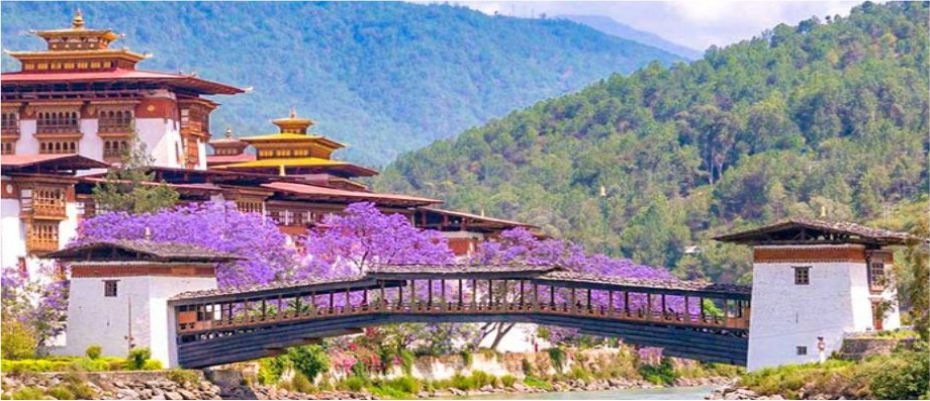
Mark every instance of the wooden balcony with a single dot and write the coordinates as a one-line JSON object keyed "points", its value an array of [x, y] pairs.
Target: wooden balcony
{"points": [[42, 237], [44, 204], [58, 130], [115, 129]]}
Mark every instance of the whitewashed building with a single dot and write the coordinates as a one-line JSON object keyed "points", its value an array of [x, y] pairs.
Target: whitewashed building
{"points": [[814, 282]]}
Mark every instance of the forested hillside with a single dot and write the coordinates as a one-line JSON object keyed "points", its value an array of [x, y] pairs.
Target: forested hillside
{"points": [[383, 77], [827, 118]]}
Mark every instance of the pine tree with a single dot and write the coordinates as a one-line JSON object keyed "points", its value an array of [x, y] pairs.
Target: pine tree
{"points": [[130, 186]]}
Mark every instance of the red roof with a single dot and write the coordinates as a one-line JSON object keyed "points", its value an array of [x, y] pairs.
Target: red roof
{"points": [[66, 161], [346, 195], [121, 74], [478, 217], [224, 159], [196, 187]]}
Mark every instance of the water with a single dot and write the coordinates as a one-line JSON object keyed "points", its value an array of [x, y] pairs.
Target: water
{"points": [[670, 393]]}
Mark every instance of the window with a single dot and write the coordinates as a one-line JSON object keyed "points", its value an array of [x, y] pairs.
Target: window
{"points": [[9, 148], [802, 275], [877, 274], [10, 123], [109, 288], [114, 148], [58, 147], [115, 121], [53, 122], [801, 350]]}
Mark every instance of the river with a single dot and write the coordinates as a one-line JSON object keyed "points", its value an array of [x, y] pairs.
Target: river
{"points": [[668, 393]]}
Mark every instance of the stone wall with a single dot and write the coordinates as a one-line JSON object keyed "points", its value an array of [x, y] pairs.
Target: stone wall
{"points": [[859, 348]]}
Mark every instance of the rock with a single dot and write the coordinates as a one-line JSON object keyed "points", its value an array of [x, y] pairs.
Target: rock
{"points": [[171, 395], [188, 395], [127, 394]]}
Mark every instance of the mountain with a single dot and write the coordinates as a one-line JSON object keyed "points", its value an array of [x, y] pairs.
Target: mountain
{"points": [[613, 27], [827, 118], [382, 77]]}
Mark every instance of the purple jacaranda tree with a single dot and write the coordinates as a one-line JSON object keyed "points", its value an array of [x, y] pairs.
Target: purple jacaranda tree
{"points": [[519, 246], [219, 226], [350, 243], [36, 300]]}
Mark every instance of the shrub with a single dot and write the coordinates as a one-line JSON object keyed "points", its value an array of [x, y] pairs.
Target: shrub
{"points": [[28, 393], [662, 373], [405, 387], [270, 370], [183, 377], [508, 380], [18, 340], [537, 383], [905, 378], [352, 383], [481, 379], [302, 384], [557, 355], [138, 357], [61, 393], [406, 384], [461, 382], [406, 361], [93, 352], [90, 365], [527, 367], [467, 358], [310, 360], [580, 373]]}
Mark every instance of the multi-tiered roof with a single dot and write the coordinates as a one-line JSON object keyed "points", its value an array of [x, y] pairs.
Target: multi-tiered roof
{"points": [[291, 151], [80, 55]]}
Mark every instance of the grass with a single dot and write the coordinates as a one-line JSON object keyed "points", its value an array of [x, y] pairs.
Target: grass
{"points": [[534, 382]]}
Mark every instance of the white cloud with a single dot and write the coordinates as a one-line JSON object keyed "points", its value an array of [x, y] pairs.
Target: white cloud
{"points": [[694, 23]]}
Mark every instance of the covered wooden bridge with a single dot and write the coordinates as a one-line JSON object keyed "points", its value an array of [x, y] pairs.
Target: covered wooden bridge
{"points": [[229, 325]]}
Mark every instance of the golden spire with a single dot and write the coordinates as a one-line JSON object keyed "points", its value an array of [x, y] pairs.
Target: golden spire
{"points": [[78, 21], [293, 112], [229, 132]]}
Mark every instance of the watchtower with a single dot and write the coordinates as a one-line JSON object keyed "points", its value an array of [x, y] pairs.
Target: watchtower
{"points": [[815, 279], [119, 292]]}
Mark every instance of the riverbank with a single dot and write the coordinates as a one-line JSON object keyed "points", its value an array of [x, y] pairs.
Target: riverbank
{"points": [[193, 385]]}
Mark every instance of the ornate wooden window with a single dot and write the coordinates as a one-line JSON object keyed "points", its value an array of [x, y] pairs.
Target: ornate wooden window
{"points": [[58, 146], [877, 279], [115, 121], [249, 205], [42, 236], [45, 202], [8, 147], [58, 122], [10, 123], [801, 350], [802, 275], [110, 288], [113, 149]]}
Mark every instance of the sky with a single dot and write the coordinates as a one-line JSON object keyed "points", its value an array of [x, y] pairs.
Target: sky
{"points": [[697, 24]]}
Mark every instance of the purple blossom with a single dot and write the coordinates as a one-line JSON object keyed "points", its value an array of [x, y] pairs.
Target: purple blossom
{"points": [[213, 225]]}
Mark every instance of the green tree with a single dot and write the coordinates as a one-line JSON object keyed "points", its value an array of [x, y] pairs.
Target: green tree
{"points": [[130, 187]]}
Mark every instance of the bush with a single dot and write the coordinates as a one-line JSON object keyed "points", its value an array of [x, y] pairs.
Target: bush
{"points": [[138, 357], [28, 393], [406, 361], [508, 380], [580, 373], [93, 352], [61, 393], [270, 369], [557, 355], [152, 364], [467, 358], [183, 377], [352, 383], [461, 382], [905, 378], [663, 373], [405, 387], [91, 365], [310, 360], [18, 340], [302, 384], [537, 383], [481, 379], [527, 367]]}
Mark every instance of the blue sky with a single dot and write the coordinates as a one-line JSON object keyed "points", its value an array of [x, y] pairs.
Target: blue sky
{"points": [[694, 23]]}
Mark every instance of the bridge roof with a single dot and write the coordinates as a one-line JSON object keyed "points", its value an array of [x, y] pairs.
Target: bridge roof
{"points": [[670, 287], [459, 270], [317, 286]]}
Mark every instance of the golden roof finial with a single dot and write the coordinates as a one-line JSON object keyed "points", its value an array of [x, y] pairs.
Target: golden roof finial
{"points": [[78, 21], [229, 132], [293, 112]]}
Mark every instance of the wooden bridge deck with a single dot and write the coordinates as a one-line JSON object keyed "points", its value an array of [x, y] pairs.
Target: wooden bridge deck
{"points": [[223, 326]]}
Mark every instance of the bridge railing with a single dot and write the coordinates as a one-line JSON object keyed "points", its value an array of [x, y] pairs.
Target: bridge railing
{"points": [[200, 320]]}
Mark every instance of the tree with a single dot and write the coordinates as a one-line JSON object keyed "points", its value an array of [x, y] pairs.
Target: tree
{"points": [[213, 225], [37, 305], [350, 243], [130, 187], [914, 277]]}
